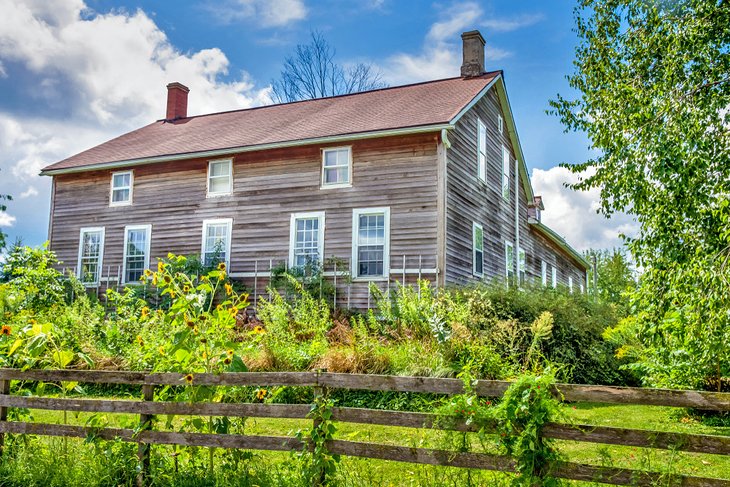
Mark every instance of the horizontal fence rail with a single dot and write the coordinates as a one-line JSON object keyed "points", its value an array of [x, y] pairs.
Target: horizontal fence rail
{"points": [[148, 408]]}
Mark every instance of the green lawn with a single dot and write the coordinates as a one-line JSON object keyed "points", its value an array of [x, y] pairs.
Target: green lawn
{"points": [[361, 472]]}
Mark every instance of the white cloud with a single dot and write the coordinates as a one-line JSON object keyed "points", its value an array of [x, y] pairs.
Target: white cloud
{"points": [[93, 77], [440, 56], [509, 25], [573, 213], [6, 220], [266, 13]]}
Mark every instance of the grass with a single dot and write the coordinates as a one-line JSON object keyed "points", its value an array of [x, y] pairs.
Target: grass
{"points": [[47, 462]]}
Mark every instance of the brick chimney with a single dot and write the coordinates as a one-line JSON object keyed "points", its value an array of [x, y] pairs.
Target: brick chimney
{"points": [[177, 101], [473, 49]]}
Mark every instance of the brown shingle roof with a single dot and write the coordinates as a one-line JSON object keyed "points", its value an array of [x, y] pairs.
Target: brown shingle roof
{"points": [[422, 104]]}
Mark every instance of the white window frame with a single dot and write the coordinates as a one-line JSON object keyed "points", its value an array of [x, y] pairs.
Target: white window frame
{"points": [[82, 231], [554, 277], [348, 184], [505, 173], [356, 213], [570, 284], [509, 263], [293, 234], [543, 273], [500, 124], [122, 188], [481, 151], [474, 227], [582, 288], [217, 221], [521, 265], [148, 230], [211, 194]]}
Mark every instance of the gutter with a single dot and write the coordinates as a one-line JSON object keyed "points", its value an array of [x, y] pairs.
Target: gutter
{"points": [[560, 242], [250, 148]]}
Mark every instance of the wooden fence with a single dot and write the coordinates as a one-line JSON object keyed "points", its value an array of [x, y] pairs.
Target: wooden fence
{"points": [[147, 408]]}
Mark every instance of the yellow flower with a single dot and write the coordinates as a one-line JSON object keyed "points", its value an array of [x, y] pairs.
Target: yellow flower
{"points": [[161, 350], [5, 330], [186, 289], [145, 312], [230, 353], [191, 324], [261, 394], [204, 278], [154, 280], [233, 311], [147, 272], [189, 378], [258, 329], [222, 266], [167, 279], [203, 340], [219, 308], [160, 266], [229, 289], [222, 275], [140, 341], [227, 361]]}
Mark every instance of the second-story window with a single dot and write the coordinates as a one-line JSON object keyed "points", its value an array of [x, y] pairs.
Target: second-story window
{"points": [[505, 173], [500, 124], [336, 167], [220, 178], [121, 190], [482, 150]]}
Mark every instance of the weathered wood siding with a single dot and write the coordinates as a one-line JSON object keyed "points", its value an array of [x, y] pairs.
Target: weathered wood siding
{"points": [[469, 200], [268, 186]]}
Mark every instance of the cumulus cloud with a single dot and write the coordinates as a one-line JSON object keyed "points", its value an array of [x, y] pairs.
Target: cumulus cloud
{"points": [[81, 78], [573, 214], [266, 13], [6, 220], [440, 56]]}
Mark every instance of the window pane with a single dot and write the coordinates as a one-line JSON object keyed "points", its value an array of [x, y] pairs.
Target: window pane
{"points": [[222, 168], [120, 195], [479, 262], [121, 180], [330, 158], [220, 184]]}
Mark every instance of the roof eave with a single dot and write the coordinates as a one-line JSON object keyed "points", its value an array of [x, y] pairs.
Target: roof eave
{"points": [[250, 148], [561, 242]]}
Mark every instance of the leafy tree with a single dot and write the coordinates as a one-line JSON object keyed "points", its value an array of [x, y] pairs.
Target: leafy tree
{"points": [[614, 275], [311, 72], [653, 83], [3, 207]]}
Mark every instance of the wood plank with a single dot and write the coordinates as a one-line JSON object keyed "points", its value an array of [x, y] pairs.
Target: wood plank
{"points": [[292, 411], [87, 376], [236, 379]]}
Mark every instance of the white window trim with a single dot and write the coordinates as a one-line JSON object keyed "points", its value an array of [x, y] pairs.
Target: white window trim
{"points": [[482, 175], [570, 284], [582, 288], [356, 213], [554, 276], [112, 188], [101, 253], [543, 272], [521, 253], [505, 174], [148, 229], [474, 227], [215, 221], [500, 124], [508, 263], [348, 184], [208, 192], [293, 234]]}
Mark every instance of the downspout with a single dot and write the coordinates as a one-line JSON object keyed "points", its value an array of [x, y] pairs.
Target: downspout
{"points": [[517, 223], [442, 157]]}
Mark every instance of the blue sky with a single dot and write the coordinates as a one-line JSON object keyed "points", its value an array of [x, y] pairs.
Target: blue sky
{"points": [[76, 73]]}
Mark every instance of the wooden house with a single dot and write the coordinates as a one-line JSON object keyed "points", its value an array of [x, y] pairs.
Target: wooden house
{"points": [[425, 181]]}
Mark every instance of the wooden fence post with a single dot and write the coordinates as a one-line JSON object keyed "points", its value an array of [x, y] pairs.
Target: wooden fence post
{"points": [[143, 450], [4, 390]]}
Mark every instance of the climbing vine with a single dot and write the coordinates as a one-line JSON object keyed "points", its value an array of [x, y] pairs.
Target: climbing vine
{"points": [[320, 464]]}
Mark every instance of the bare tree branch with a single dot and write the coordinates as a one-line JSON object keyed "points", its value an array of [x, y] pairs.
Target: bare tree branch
{"points": [[312, 72]]}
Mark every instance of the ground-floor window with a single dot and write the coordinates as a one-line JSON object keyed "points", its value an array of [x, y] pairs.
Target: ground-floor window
{"points": [[136, 252], [216, 246], [477, 250], [91, 251], [509, 260], [306, 246], [371, 242]]}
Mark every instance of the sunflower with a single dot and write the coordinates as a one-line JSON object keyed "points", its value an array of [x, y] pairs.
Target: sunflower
{"points": [[5, 330], [222, 266], [229, 289], [190, 323], [258, 329], [227, 361], [261, 394], [140, 342], [160, 266], [203, 340], [233, 311], [147, 272], [186, 289], [145, 312], [189, 378], [161, 349], [230, 353], [167, 279]]}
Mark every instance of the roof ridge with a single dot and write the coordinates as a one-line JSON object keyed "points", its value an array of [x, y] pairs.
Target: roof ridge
{"points": [[344, 95]]}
